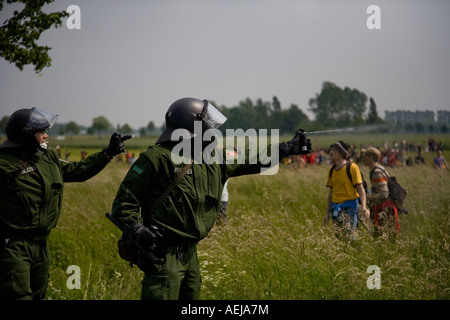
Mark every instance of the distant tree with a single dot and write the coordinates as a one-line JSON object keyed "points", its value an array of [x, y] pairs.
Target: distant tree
{"points": [[373, 117], [444, 128], [3, 124], [336, 106], [276, 105], [327, 103], [18, 34], [142, 131], [246, 114], [73, 128], [100, 125], [243, 116], [293, 119], [151, 127], [262, 113], [125, 129], [355, 105], [419, 127]]}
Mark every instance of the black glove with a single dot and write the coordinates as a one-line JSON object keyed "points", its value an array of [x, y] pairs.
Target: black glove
{"points": [[116, 144], [298, 145], [147, 237]]}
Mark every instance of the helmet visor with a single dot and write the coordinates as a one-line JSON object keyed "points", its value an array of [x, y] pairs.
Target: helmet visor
{"points": [[213, 117], [41, 120]]}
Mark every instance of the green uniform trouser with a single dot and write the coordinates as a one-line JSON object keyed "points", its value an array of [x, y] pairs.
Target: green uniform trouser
{"points": [[24, 266], [178, 277]]}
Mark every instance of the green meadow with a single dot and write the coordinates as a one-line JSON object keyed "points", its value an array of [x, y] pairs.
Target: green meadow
{"points": [[273, 246]]}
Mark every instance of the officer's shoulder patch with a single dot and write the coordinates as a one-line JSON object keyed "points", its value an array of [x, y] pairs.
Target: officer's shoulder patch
{"points": [[136, 169]]}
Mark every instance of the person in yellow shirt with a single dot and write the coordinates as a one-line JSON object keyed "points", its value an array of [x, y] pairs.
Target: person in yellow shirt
{"points": [[346, 187]]}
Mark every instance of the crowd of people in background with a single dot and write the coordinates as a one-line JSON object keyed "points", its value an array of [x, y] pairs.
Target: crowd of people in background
{"points": [[396, 155], [127, 157]]}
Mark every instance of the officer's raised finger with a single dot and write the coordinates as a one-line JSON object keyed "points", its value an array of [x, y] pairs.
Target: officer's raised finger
{"points": [[128, 136]]}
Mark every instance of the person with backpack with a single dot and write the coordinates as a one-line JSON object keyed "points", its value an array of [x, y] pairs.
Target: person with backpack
{"points": [[346, 190], [31, 192], [379, 198]]}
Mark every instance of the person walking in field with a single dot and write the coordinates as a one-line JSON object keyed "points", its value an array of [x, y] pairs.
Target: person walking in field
{"points": [[439, 161], [31, 192], [379, 192], [187, 213], [346, 187], [383, 211]]}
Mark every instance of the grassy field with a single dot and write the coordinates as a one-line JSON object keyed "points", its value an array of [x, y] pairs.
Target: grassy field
{"points": [[274, 245]]}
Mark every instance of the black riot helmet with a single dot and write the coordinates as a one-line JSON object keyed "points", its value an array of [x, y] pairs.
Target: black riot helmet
{"points": [[24, 123], [183, 113]]}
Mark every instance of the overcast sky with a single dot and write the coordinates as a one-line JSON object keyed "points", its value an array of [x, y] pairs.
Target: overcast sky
{"points": [[132, 59]]}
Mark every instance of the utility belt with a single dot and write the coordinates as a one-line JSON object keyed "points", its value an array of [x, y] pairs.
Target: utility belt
{"points": [[33, 235], [171, 240], [128, 251], [180, 249]]}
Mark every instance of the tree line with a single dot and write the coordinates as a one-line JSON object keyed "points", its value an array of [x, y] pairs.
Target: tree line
{"points": [[333, 107], [101, 125]]}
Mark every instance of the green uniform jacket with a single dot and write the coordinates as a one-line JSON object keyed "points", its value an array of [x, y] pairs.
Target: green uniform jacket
{"points": [[31, 192], [188, 213]]}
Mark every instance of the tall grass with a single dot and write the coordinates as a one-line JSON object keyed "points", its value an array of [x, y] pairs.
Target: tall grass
{"points": [[273, 245], [84, 237]]}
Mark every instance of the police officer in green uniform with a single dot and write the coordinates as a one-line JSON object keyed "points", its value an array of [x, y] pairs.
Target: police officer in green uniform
{"points": [[188, 212], [31, 191]]}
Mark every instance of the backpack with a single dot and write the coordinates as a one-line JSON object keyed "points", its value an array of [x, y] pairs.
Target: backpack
{"points": [[349, 175], [396, 192]]}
